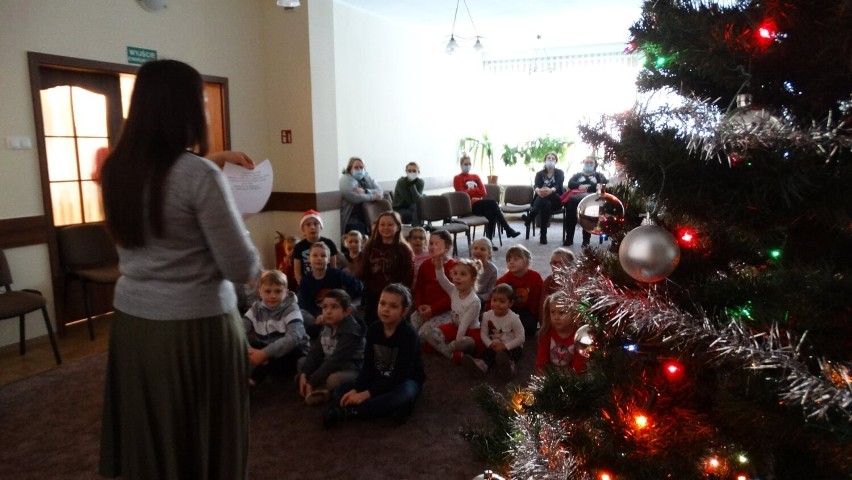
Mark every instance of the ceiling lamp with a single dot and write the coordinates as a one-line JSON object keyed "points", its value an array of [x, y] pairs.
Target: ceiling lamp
{"points": [[289, 3], [453, 44]]}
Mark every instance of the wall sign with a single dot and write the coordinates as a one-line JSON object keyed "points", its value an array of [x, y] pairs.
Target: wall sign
{"points": [[138, 56]]}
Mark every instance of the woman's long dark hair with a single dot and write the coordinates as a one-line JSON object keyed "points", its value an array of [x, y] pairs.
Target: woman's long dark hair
{"points": [[167, 116]]}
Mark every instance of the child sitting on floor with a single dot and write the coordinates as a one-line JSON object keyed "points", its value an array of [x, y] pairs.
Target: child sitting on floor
{"points": [[556, 348], [311, 225], [349, 257], [560, 261], [392, 377], [502, 334], [431, 302], [526, 284], [276, 334], [461, 334], [487, 278], [417, 238], [288, 246], [317, 282], [337, 354]]}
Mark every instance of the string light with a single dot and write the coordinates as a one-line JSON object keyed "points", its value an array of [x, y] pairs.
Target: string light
{"points": [[775, 254], [673, 370], [641, 421], [687, 237]]}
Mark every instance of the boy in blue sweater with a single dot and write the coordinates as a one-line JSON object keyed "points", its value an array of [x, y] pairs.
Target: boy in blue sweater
{"points": [[316, 283]]}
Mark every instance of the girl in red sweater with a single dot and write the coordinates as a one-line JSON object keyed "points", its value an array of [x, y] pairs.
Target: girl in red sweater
{"points": [[431, 302], [556, 347]]}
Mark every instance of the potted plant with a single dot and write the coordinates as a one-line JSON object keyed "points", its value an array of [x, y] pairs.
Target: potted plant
{"points": [[534, 150], [481, 151]]}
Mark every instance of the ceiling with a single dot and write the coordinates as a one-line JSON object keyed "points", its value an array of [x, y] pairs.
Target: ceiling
{"points": [[515, 24]]}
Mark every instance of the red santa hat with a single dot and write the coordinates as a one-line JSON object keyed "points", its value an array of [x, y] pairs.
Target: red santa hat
{"points": [[311, 214]]}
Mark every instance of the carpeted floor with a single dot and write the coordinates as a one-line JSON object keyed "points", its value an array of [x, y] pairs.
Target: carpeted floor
{"points": [[51, 425]]}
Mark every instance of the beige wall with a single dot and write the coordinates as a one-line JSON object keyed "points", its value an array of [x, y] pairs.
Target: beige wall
{"points": [[344, 82], [218, 37]]}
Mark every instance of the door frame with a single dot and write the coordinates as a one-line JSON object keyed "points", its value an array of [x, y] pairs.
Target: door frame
{"points": [[43, 231]]}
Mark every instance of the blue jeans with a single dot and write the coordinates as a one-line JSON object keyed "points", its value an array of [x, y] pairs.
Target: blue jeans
{"points": [[398, 402]]}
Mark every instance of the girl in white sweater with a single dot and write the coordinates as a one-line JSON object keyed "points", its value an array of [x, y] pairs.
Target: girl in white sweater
{"points": [[462, 334]]}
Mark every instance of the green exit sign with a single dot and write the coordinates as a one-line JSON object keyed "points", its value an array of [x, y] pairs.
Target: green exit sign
{"points": [[138, 56]]}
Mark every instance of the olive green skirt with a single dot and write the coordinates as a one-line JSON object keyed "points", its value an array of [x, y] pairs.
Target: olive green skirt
{"points": [[176, 399]]}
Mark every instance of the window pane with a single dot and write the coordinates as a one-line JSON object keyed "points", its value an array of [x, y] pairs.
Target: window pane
{"points": [[89, 113], [126, 81], [88, 149], [92, 205], [56, 111], [61, 159], [65, 198]]}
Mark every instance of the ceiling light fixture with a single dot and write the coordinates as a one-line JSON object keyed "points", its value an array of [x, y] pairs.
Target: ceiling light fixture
{"points": [[289, 4], [453, 44]]}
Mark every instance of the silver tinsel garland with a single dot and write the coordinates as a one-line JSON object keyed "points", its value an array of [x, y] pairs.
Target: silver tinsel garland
{"points": [[649, 315], [540, 454], [702, 124]]}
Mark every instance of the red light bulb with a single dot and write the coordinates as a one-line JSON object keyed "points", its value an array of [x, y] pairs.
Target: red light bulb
{"points": [[673, 370], [687, 237]]}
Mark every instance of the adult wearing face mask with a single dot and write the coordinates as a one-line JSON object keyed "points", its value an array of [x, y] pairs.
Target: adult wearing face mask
{"points": [[471, 184], [356, 187], [408, 189], [548, 188], [584, 184]]}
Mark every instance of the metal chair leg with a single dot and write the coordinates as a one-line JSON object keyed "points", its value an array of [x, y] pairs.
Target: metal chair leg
{"points": [[22, 342], [51, 336], [88, 303]]}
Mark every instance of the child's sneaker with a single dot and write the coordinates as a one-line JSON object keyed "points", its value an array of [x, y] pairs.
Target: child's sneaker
{"points": [[505, 365], [475, 366], [317, 397]]}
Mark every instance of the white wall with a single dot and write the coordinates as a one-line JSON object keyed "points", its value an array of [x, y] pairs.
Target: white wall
{"points": [[399, 97]]}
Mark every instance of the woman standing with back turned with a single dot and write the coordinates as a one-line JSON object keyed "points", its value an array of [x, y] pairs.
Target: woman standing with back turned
{"points": [[176, 395]]}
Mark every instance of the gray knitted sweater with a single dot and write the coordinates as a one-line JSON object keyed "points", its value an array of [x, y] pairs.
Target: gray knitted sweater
{"points": [[205, 246]]}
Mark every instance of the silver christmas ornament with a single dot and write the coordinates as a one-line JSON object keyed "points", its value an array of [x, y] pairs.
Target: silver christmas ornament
{"points": [[584, 341], [750, 118], [600, 213], [649, 253]]}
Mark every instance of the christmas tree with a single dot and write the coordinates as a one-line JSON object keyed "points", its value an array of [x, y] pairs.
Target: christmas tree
{"points": [[721, 311]]}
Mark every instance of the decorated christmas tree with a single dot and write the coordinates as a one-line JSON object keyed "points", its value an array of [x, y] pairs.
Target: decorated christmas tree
{"points": [[720, 316]]}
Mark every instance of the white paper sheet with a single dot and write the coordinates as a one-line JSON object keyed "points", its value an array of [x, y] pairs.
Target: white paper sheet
{"points": [[251, 188]]}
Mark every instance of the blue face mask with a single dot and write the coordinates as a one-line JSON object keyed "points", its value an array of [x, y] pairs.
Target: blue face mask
{"points": [[549, 164], [465, 168], [358, 174], [588, 168]]}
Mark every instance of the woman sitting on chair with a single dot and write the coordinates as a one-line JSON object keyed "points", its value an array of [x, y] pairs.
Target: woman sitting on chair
{"points": [[356, 187], [548, 189], [471, 184], [584, 184], [408, 189]]}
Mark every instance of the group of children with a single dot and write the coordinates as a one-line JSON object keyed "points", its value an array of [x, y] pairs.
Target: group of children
{"points": [[414, 297]]}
